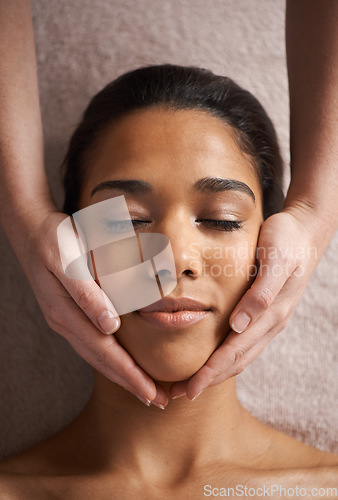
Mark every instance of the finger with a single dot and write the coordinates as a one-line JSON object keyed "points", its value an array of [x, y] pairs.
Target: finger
{"points": [[248, 358], [74, 274], [103, 353], [232, 353], [178, 389], [226, 360], [108, 357], [226, 355], [272, 276], [94, 303], [238, 367], [161, 399]]}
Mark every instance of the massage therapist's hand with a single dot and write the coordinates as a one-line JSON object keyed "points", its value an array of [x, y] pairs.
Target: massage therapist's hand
{"points": [[290, 245], [76, 309], [309, 218], [30, 218]]}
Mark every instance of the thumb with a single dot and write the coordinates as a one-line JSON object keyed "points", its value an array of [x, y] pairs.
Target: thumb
{"points": [[94, 303], [74, 274], [271, 277]]}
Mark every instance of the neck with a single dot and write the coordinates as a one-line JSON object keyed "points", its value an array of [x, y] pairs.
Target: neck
{"points": [[150, 441]]}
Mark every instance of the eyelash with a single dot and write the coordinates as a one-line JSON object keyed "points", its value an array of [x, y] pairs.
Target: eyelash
{"points": [[220, 225], [223, 225]]}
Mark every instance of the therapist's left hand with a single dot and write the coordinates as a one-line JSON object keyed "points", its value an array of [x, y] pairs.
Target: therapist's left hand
{"points": [[298, 239]]}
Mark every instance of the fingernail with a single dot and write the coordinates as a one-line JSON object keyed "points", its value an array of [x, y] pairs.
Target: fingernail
{"points": [[146, 401], [108, 322], [178, 395], [193, 399], [240, 322], [158, 405]]}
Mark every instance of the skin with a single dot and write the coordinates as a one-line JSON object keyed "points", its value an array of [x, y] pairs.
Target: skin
{"points": [[119, 445], [310, 213], [30, 217], [171, 210]]}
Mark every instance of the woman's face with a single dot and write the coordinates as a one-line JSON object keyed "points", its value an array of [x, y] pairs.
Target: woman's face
{"points": [[172, 151]]}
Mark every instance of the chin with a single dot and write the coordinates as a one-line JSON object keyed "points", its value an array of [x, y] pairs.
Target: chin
{"points": [[171, 357], [164, 370]]}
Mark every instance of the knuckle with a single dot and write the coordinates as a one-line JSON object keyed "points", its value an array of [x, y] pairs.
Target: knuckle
{"points": [[129, 368], [86, 340], [282, 318], [99, 366], [283, 324], [50, 322], [283, 256], [54, 318], [86, 298], [264, 298], [239, 368], [101, 359], [238, 355], [235, 356]]}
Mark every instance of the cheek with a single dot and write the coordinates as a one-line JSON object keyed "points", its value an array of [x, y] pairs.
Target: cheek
{"points": [[232, 269], [227, 271]]}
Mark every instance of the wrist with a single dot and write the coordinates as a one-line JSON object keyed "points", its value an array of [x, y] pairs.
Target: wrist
{"points": [[318, 225], [314, 212], [20, 219]]}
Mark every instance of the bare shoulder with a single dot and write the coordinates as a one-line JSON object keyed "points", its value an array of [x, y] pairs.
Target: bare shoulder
{"points": [[60, 455], [10, 489], [21, 487], [35, 475], [17, 478], [299, 454], [41, 472], [281, 451], [29, 462], [36, 487], [23, 477], [298, 459]]}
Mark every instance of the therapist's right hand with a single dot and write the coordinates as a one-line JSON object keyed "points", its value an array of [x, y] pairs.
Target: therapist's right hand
{"points": [[76, 309]]}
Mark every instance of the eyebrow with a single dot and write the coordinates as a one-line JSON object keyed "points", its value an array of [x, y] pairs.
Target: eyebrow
{"points": [[216, 184], [205, 185], [129, 186]]}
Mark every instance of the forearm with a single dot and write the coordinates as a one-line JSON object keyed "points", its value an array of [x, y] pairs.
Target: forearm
{"points": [[312, 47], [23, 181]]}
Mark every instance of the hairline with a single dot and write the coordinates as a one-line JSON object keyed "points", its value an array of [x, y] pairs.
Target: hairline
{"points": [[235, 133]]}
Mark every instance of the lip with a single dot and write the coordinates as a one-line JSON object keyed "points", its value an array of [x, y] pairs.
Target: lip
{"points": [[170, 304], [174, 319], [170, 312]]}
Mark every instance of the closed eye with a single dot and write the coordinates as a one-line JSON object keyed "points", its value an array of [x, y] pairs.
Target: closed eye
{"points": [[222, 225], [120, 226]]}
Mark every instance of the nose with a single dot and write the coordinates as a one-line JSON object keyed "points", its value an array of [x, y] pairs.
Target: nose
{"points": [[184, 243]]}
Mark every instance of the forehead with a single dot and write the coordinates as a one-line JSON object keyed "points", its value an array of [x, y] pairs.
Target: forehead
{"points": [[159, 143]]}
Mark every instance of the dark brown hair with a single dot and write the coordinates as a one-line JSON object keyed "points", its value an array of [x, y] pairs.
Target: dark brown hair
{"points": [[179, 87]]}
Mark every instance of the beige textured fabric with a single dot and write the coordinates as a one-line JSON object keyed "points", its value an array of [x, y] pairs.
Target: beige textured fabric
{"points": [[81, 46]]}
